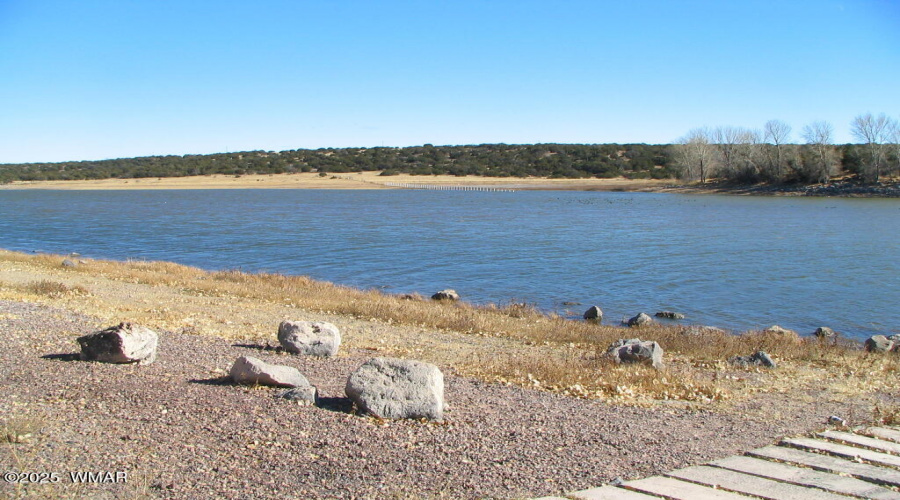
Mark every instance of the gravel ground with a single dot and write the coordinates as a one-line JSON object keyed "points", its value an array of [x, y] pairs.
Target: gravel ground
{"points": [[180, 430]]}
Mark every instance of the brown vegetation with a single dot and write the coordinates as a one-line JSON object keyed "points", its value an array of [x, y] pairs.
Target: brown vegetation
{"points": [[507, 344]]}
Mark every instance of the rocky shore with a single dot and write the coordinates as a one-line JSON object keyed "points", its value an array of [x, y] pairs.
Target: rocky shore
{"points": [[846, 189], [180, 429], [522, 416]]}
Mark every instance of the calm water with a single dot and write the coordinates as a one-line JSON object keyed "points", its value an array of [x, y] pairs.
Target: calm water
{"points": [[735, 262]]}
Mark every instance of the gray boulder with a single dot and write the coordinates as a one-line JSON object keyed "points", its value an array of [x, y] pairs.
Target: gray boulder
{"points": [[758, 358], [823, 332], [69, 263], [636, 351], [310, 338], [640, 320], [397, 388], [304, 395], [669, 315], [123, 343], [447, 294], [879, 343], [250, 370], [594, 313]]}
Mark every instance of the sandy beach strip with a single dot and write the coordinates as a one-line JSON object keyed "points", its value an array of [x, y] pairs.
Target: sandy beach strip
{"points": [[366, 180]]}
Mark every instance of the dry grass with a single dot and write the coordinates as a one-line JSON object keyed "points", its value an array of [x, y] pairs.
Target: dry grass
{"points": [[54, 289], [512, 344], [21, 428], [887, 414]]}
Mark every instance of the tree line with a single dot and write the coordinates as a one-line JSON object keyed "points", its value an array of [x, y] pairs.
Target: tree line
{"points": [[732, 154], [501, 160], [750, 156]]}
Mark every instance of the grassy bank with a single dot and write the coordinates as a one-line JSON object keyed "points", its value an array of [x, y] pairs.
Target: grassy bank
{"points": [[509, 344]]}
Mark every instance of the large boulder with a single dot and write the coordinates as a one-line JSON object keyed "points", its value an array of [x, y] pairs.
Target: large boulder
{"points": [[640, 320], [636, 351], [447, 294], [879, 343], [397, 388], [594, 313], [250, 370], [758, 358], [309, 337], [123, 343]]}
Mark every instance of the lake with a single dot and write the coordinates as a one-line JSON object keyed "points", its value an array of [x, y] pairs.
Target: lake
{"points": [[730, 261]]}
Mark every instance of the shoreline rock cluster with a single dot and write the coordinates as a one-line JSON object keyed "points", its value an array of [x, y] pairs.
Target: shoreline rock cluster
{"points": [[382, 387]]}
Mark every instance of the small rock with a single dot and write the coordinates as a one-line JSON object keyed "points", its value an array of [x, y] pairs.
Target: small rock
{"points": [[636, 351], [777, 330], [397, 388], [69, 263], [410, 296], [304, 395], [593, 313], [783, 333], [123, 343], [758, 358], [823, 332], [250, 370], [669, 315], [836, 420], [879, 343], [309, 337], [703, 330], [571, 303], [640, 320], [447, 294]]}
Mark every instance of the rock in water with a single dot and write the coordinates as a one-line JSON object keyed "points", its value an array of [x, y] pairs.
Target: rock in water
{"points": [[879, 343], [310, 338], [669, 315], [640, 320], [636, 351], [447, 294], [593, 313], [398, 388], [250, 370], [758, 358], [123, 343]]}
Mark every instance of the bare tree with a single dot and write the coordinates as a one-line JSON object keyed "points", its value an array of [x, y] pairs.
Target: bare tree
{"points": [[696, 155], [776, 135], [874, 132], [738, 152], [895, 144], [822, 161]]}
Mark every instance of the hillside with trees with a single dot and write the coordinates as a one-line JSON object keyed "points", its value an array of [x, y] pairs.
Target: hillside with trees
{"points": [[501, 160], [730, 154]]}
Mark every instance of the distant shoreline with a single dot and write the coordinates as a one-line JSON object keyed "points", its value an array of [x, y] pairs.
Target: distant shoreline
{"points": [[372, 180], [366, 180]]}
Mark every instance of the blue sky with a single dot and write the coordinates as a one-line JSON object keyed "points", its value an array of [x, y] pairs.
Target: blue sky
{"points": [[96, 79]]}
